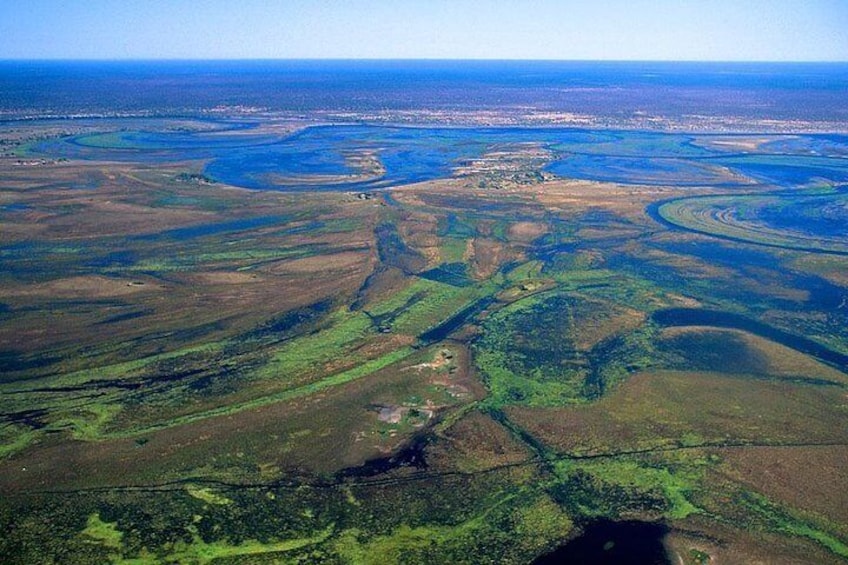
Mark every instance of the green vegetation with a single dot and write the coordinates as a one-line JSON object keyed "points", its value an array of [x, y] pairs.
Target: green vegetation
{"points": [[111, 140], [207, 495], [786, 521], [105, 533], [308, 353], [343, 377], [199, 551], [534, 521], [15, 438], [533, 351], [453, 249], [421, 305], [616, 486]]}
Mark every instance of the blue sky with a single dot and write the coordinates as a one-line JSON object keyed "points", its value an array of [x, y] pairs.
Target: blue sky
{"points": [[722, 30]]}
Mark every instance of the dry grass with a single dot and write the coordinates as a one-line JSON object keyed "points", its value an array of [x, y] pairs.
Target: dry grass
{"points": [[476, 443], [487, 255], [344, 261], [573, 196], [782, 361], [619, 320], [735, 546], [669, 408], [322, 433], [89, 287], [526, 232], [809, 478]]}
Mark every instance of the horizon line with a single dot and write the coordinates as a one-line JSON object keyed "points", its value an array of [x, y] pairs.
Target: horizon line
{"points": [[404, 59]]}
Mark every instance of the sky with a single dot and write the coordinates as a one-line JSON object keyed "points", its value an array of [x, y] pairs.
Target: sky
{"points": [[691, 30]]}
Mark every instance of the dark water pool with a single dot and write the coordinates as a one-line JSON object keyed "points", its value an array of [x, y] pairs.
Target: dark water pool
{"points": [[613, 543]]}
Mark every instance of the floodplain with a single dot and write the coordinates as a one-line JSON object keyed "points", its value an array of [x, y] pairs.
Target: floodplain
{"points": [[251, 340]]}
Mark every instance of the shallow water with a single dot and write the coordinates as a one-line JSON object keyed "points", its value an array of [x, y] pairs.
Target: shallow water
{"points": [[325, 157]]}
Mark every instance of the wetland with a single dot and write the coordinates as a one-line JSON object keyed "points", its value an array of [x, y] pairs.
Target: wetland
{"points": [[445, 334]]}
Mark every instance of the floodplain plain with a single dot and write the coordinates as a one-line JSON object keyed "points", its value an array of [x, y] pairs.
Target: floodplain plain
{"points": [[252, 340]]}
